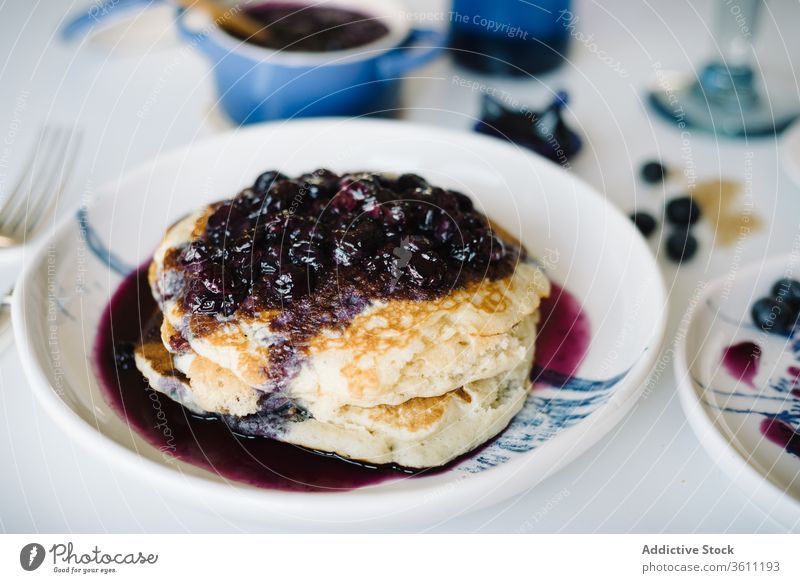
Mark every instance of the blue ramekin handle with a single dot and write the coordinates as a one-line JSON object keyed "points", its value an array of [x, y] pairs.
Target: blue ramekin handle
{"points": [[422, 46], [99, 12]]}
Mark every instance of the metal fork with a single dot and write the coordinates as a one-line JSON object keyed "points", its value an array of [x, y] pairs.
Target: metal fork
{"points": [[46, 174], [5, 321]]}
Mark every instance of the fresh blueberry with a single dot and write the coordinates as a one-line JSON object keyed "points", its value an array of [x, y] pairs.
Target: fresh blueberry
{"points": [[681, 245], [645, 222], [787, 289], [267, 179], [653, 172], [774, 316], [683, 211], [411, 181]]}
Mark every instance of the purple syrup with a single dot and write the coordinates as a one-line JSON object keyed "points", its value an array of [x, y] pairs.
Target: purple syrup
{"points": [[564, 333], [741, 361], [781, 434], [207, 442]]}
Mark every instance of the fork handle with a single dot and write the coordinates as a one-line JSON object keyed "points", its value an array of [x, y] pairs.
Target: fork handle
{"points": [[5, 323]]}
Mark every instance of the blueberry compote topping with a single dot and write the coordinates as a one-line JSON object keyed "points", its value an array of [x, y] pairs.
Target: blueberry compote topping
{"points": [[318, 248], [299, 27]]}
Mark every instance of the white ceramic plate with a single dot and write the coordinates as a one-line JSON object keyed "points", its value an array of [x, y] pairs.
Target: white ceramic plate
{"points": [[730, 402], [584, 243]]}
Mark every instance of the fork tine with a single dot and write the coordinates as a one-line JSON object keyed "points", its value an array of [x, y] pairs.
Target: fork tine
{"points": [[13, 201], [48, 203], [16, 215], [49, 182], [43, 182]]}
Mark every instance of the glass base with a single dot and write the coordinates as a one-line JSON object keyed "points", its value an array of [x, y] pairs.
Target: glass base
{"points": [[727, 103]]}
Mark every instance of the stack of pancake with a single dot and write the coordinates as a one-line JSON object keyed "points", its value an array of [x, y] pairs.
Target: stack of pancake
{"points": [[399, 380]]}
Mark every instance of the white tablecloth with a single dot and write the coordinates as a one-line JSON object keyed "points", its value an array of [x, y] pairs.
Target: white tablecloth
{"points": [[649, 475]]}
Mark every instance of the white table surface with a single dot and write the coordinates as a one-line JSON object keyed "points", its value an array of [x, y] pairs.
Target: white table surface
{"points": [[649, 475]]}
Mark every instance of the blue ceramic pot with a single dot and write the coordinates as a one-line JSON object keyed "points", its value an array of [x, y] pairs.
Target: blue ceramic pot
{"points": [[257, 84]]}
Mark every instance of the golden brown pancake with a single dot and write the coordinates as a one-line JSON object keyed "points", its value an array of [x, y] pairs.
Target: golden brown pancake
{"points": [[414, 377]]}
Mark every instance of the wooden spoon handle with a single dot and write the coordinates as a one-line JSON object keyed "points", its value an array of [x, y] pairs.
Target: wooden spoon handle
{"points": [[232, 18]]}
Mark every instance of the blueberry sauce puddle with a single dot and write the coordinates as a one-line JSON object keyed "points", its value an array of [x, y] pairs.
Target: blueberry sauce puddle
{"points": [[564, 334], [207, 442], [741, 361], [782, 434]]}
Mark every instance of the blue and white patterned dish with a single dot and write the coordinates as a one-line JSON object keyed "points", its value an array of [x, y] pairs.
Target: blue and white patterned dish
{"points": [[732, 403], [582, 241]]}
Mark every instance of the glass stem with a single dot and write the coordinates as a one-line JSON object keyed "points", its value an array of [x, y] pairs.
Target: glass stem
{"points": [[730, 78]]}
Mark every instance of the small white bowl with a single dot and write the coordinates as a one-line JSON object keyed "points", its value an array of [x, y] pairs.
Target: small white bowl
{"points": [[584, 243], [725, 409]]}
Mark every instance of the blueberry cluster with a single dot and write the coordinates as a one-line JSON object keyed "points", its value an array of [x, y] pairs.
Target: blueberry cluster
{"points": [[681, 212], [780, 312], [320, 236], [653, 172]]}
